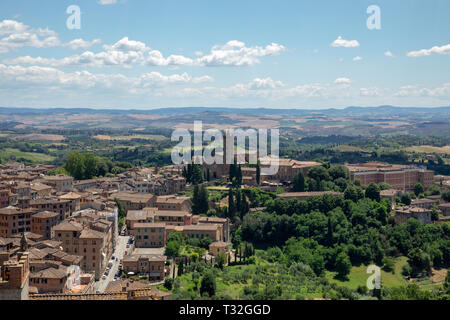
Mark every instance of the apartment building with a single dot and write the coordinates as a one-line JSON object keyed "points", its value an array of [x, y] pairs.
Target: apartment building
{"points": [[173, 203], [4, 198], [400, 177], [224, 222], [63, 207], [43, 222], [93, 245], [61, 182], [200, 231], [149, 235], [174, 218], [15, 221], [50, 280], [134, 201], [40, 191], [151, 265], [139, 216]]}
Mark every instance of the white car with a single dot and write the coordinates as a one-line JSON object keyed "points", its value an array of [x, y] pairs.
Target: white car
{"points": [[104, 277]]}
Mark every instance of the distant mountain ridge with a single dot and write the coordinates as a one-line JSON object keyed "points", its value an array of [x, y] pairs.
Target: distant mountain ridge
{"points": [[349, 111]]}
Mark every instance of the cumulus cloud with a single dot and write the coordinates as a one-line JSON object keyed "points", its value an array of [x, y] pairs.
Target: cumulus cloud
{"points": [[16, 35], [342, 81], [357, 58], [236, 54], [442, 91], [44, 76], [80, 44], [340, 42], [126, 52], [389, 54], [428, 52]]}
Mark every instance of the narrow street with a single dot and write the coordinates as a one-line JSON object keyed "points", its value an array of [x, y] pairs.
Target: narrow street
{"points": [[100, 286]]}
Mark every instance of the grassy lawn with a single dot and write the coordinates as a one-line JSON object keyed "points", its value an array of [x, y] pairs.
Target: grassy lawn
{"points": [[358, 276], [31, 156]]}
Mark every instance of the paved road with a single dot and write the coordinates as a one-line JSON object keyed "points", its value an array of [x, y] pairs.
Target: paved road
{"points": [[119, 254]]}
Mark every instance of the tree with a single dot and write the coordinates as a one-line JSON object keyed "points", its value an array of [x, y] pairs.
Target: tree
{"points": [[208, 284], [75, 165], [231, 204], [319, 173], [197, 174], [180, 268], [419, 260], [172, 249], [351, 194], [447, 282], [90, 166], [299, 182], [168, 283], [200, 200], [221, 260], [337, 172], [406, 199], [434, 213], [373, 192], [418, 189], [121, 211], [446, 195], [258, 172], [343, 264]]}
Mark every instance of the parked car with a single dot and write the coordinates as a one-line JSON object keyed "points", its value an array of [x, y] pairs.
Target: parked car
{"points": [[104, 277]]}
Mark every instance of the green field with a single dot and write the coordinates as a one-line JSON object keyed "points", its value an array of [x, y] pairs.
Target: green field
{"points": [[149, 137], [6, 154], [358, 276]]}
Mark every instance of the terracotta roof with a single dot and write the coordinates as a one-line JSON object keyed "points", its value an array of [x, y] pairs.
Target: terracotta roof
{"points": [[50, 273], [46, 214], [68, 226]]}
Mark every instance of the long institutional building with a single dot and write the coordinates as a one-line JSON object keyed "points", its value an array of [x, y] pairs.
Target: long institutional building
{"points": [[400, 177]]}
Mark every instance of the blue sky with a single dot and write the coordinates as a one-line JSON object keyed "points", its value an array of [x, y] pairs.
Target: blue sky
{"points": [[276, 54]]}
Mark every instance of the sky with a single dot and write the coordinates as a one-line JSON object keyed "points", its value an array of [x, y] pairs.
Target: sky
{"points": [[144, 54]]}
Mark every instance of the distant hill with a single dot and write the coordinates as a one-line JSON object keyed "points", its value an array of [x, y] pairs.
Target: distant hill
{"points": [[349, 111]]}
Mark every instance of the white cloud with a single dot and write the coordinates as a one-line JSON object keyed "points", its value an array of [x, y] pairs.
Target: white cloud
{"points": [[126, 52], [442, 91], [370, 92], [11, 76], [80, 44], [17, 35], [389, 54], [107, 2], [235, 53], [427, 52], [266, 83], [339, 42], [11, 26], [357, 58], [342, 81]]}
